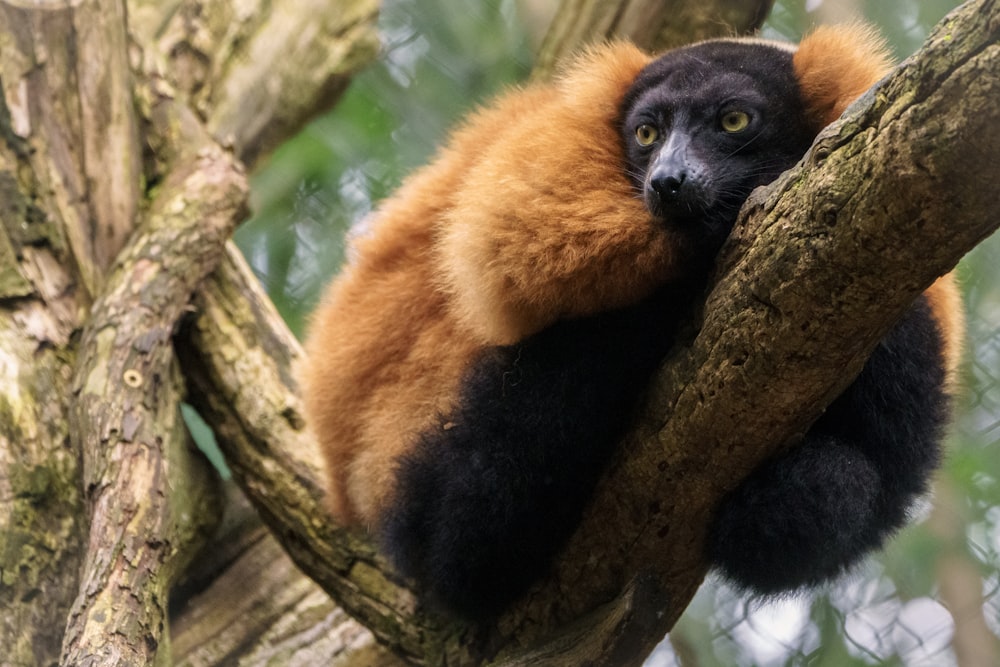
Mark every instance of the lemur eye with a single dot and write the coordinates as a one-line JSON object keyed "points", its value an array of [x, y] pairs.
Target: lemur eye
{"points": [[734, 121], [646, 134]]}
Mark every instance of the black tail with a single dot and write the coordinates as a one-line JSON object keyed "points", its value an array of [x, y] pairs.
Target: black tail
{"points": [[810, 514]]}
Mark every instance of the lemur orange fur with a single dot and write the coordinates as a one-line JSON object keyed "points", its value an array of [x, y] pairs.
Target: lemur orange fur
{"points": [[500, 236], [945, 300], [390, 340]]}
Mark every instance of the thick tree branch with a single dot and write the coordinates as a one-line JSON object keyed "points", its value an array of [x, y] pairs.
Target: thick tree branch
{"points": [[258, 71], [241, 358], [150, 500], [652, 24]]}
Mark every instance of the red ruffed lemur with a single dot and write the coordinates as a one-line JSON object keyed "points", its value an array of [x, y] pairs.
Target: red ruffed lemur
{"points": [[473, 367]]}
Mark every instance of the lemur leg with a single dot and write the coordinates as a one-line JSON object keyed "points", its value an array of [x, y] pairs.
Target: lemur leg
{"points": [[810, 514], [487, 499]]}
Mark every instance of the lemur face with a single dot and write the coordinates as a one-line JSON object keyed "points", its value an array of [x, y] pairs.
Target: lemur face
{"points": [[704, 125]]}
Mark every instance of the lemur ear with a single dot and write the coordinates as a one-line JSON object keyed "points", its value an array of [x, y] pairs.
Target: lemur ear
{"points": [[835, 64]]}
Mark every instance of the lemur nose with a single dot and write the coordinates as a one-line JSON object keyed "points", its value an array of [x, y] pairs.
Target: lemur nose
{"points": [[667, 185]]}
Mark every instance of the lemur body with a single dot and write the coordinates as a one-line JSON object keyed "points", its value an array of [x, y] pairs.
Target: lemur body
{"points": [[473, 367]]}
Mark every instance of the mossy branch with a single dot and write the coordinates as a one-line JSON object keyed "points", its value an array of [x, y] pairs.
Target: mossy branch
{"points": [[150, 498], [255, 71], [90, 114]]}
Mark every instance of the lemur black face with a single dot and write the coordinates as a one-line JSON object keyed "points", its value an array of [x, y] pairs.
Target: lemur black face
{"points": [[704, 125]]}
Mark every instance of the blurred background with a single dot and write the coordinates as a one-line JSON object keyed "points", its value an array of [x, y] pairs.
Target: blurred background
{"points": [[930, 599]]}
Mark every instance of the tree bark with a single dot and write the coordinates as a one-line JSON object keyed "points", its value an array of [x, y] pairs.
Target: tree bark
{"points": [[62, 223], [89, 121], [652, 24], [148, 500]]}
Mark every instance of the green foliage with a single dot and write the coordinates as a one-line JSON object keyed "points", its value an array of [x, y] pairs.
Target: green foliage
{"points": [[904, 23], [204, 438]]}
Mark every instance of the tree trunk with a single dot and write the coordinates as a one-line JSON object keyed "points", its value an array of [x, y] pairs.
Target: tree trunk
{"points": [[662, 24], [70, 192], [102, 498], [123, 140]]}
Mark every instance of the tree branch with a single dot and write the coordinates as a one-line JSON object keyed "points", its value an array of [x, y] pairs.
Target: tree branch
{"points": [[758, 373], [258, 71], [150, 499], [651, 24], [71, 176], [241, 358], [959, 578]]}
